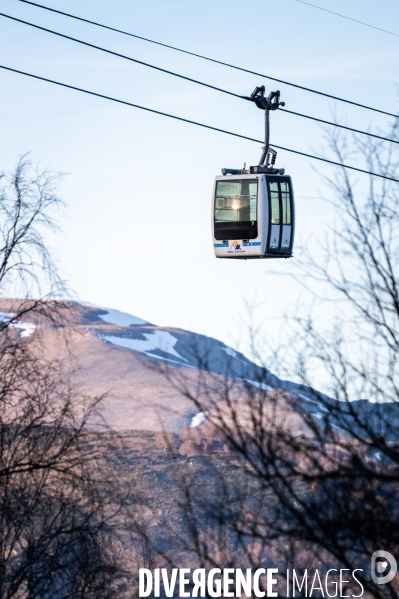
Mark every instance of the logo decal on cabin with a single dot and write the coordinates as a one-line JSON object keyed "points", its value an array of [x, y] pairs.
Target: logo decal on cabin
{"points": [[236, 247]]}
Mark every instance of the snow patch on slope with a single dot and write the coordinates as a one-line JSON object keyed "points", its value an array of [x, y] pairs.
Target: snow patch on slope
{"points": [[231, 352], [258, 385], [198, 419], [122, 319], [26, 328], [157, 340], [313, 401]]}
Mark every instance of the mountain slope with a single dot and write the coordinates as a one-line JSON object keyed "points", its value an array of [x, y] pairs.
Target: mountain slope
{"points": [[118, 355]]}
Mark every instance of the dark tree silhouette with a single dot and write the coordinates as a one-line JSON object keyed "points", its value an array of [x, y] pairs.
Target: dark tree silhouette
{"points": [[59, 499], [310, 479]]}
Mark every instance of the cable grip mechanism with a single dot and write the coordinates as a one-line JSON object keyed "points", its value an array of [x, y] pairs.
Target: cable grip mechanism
{"points": [[269, 155], [271, 102]]}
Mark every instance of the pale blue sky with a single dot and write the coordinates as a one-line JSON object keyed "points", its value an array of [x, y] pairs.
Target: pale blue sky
{"points": [[138, 190]]}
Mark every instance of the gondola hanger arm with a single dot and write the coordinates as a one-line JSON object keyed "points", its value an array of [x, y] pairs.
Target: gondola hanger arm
{"points": [[271, 102]]}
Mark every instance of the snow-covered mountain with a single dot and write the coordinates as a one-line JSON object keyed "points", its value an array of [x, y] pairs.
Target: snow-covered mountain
{"points": [[181, 348], [118, 354]]}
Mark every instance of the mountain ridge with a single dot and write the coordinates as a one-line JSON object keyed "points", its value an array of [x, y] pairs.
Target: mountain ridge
{"points": [[117, 354]]}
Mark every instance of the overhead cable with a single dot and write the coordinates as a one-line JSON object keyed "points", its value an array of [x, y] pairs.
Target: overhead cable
{"points": [[313, 118], [145, 64], [178, 118], [226, 64], [344, 17], [180, 76]]}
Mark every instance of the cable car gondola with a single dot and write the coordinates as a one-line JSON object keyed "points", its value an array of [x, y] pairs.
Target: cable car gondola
{"points": [[253, 211]]}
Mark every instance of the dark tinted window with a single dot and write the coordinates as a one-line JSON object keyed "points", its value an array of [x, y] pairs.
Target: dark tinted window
{"points": [[279, 191], [286, 203], [275, 203]]}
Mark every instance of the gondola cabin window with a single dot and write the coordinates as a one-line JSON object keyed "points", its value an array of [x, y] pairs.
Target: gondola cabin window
{"points": [[275, 203], [286, 203], [236, 209], [236, 200]]}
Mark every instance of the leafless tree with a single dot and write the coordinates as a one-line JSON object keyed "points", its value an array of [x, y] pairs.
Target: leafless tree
{"points": [[60, 504], [310, 478]]}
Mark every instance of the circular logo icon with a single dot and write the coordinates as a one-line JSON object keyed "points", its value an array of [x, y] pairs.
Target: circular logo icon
{"points": [[385, 559]]}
